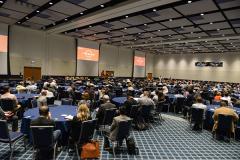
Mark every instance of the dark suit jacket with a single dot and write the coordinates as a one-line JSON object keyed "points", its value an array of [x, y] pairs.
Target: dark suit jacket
{"points": [[102, 108], [2, 115], [128, 104], [42, 121]]}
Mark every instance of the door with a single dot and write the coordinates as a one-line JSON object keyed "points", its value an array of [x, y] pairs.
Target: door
{"points": [[32, 73], [149, 76]]}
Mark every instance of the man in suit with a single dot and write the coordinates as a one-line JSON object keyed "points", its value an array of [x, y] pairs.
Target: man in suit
{"points": [[106, 105], [129, 103], [9, 116], [112, 133], [45, 120], [225, 110]]}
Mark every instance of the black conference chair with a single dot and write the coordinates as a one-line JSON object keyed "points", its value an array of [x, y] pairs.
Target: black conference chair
{"points": [[158, 111], [124, 128], [179, 104], [134, 112], [109, 114], [224, 128], [43, 142], [66, 101], [86, 134], [9, 137], [145, 113], [34, 103], [50, 100], [196, 118], [8, 104]]}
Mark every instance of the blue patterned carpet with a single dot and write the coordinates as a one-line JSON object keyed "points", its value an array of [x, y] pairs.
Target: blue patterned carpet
{"points": [[171, 140]]}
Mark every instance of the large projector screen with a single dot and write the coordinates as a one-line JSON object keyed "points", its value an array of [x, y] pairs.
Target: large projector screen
{"points": [[139, 61], [87, 58], [139, 64], [3, 49], [87, 54]]}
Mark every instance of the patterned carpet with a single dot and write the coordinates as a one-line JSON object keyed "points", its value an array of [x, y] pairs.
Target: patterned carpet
{"points": [[171, 140]]}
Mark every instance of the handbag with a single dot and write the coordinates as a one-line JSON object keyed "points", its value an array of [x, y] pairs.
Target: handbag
{"points": [[90, 150]]}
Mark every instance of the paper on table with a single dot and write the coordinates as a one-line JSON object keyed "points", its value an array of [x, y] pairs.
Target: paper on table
{"points": [[69, 117], [63, 115]]}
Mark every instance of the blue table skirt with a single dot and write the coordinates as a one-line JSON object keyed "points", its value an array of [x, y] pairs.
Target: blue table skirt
{"points": [[57, 113], [23, 97]]}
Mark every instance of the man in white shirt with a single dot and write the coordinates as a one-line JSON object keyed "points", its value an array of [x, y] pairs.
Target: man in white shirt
{"points": [[145, 100]]}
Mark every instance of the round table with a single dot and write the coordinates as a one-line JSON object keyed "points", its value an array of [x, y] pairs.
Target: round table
{"points": [[58, 115], [118, 101], [23, 97]]}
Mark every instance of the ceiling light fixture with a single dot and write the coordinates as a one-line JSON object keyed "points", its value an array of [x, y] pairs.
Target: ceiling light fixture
{"points": [[126, 16], [50, 3], [189, 2], [202, 14], [81, 13], [154, 10], [37, 11], [27, 18], [145, 24], [159, 30], [65, 19], [1, 1], [18, 22], [102, 5], [218, 29], [125, 28], [211, 23], [90, 26], [170, 20]]}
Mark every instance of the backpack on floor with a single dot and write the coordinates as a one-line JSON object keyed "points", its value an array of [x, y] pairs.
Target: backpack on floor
{"points": [[131, 146]]}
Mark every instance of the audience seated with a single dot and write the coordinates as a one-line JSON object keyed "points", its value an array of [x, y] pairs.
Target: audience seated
{"points": [[83, 114], [129, 103], [225, 110], [106, 105], [145, 100], [45, 120], [112, 132], [42, 99], [199, 104], [10, 117]]}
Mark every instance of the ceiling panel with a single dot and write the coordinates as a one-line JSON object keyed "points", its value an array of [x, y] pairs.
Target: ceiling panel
{"points": [[67, 8], [117, 33], [87, 31], [33, 25], [215, 26], [39, 20], [189, 30], [7, 20], [177, 23], [136, 20], [102, 36], [213, 17], [99, 28], [11, 14], [197, 7], [88, 3], [118, 24], [233, 14], [154, 27], [195, 35], [133, 30], [52, 15], [166, 14], [37, 2], [164, 32], [228, 3], [20, 6]]}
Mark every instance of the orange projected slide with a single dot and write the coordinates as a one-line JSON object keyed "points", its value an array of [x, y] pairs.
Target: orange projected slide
{"points": [[3, 43], [139, 61], [87, 54]]}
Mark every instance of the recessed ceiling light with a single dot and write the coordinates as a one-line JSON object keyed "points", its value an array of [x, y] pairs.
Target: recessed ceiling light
{"points": [[125, 28], [170, 19], [182, 27], [227, 39], [139, 33], [189, 2], [206, 41], [154, 10], [211, 23], [106, 21], [81, 13], [159, 30], [90, 26], [199, 37], [179, 39], [102, 5], [223, 35], [202, 14], [65, 19], [37, 11], [126, 16], [135, 39], [145, 24], [169, 35], [1, 1], [65, 32], [27, 18], [18, 22], [109, 31], [95, 34], [191, 32], [234, 46], [218, 29], [50, 3]]}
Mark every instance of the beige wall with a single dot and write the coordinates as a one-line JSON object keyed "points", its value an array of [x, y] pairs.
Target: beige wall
{"points": [[183, 67], [55, 54]]}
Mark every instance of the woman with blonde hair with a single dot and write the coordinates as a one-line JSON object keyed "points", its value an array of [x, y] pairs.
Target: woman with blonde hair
{"points": [[83, 114]]}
